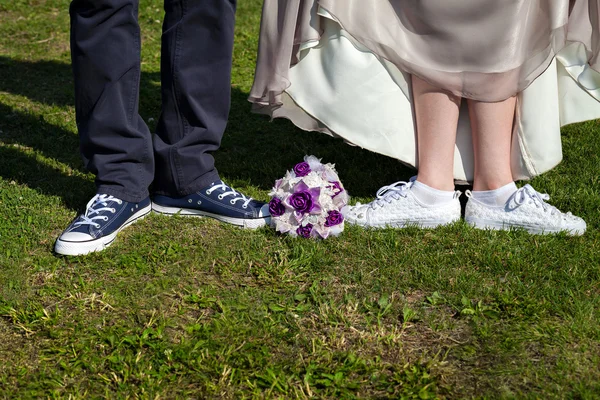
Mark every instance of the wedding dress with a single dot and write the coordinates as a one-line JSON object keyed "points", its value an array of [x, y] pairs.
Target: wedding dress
{"points": [[343, 67]]}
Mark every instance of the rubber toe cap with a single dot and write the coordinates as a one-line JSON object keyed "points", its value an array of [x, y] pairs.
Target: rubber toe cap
{"points": [[75, 237], [264, 211]]}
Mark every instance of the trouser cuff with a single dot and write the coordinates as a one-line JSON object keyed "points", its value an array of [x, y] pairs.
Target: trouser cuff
{"points": [[200, 183], [121, 194]]}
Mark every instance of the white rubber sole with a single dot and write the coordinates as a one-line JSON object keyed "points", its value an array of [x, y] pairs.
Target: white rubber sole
{"points": [[250, 223], [536, 230], [427, 224], [67, 248]]}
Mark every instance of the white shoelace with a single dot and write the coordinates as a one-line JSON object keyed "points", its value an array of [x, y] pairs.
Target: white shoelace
{"points": [[388, 193], [527, 194], [228, 191], [89, 218]]}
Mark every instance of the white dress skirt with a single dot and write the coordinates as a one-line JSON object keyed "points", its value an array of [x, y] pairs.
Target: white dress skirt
{"points": [[343, 67]]}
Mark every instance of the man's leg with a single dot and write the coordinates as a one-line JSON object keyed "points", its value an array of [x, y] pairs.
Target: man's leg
{"points": [[197, 45], [116, 144], [196, 83]]}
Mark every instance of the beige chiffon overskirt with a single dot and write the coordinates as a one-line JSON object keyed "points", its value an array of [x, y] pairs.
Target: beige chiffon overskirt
{"points": [[343, 68]]}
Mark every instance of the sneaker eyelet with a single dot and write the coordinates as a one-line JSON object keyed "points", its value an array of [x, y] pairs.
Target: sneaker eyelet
{"points": [[199, 202], [190, 201], [208, 192], [232, 202], [105, 218], [97, 226], [114, 210], [131, 209], [220, 197], [244, 206]]}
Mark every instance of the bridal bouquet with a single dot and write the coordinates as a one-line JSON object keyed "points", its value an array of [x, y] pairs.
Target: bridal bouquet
{"points": [[308, 201]]}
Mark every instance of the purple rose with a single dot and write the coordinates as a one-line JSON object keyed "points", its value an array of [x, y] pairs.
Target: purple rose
{"points": [[334, 218], [302, 169], [276, 207], [304, 231], [301, 201]]}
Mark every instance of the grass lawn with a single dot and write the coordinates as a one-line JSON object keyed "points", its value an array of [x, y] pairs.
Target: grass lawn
{"points": [[194, 308]]}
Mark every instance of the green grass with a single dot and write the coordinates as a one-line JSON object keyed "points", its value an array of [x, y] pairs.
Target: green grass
{"points": [[193, 308]]}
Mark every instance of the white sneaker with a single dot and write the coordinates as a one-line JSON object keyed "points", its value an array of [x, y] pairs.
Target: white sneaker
{"points": [[397, 207], [525, 209]]}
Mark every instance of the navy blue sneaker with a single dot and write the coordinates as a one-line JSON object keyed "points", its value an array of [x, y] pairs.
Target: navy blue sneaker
{"points": [[217, 201], [104, 217]]}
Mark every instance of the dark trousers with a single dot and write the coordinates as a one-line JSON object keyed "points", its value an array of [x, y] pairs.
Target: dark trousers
{"points": [[116, 144]]}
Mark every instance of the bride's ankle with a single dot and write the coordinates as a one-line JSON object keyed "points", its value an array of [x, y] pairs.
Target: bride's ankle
{"points": [[480, 184], [443, 184], [432, 196]]}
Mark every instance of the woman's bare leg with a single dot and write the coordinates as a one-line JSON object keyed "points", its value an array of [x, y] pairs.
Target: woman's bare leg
{"points": [[492, 125], [436, 113], [493, 186], [432, 195]]}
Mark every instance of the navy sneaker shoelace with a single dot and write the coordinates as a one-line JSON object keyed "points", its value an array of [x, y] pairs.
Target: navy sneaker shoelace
{"points": [[90, 217], [228, 191]]}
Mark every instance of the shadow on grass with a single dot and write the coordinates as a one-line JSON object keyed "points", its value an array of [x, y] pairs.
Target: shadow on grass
{"points": [[254, 150], [25, 168]]}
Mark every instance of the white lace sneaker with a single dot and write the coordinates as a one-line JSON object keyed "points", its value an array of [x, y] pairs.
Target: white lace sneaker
{"points": [[526, 209], [397, 207]]}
